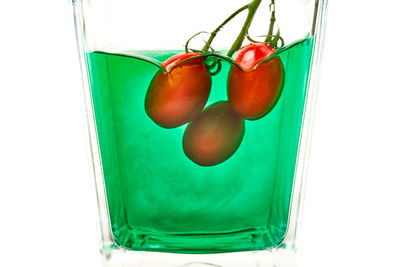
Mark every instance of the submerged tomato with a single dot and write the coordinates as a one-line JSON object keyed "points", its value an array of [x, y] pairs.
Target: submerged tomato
{"points": [[178, 96], [214, 135], [253, 92]]}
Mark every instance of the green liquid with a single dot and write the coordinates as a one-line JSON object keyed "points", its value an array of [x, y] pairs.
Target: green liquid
{"points": [[158, 199]]}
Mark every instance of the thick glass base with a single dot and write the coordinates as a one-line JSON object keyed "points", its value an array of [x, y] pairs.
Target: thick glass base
{"points": [[114, 256], [246, 240]]}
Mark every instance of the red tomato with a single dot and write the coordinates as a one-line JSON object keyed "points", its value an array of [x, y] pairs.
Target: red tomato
{"points": [[177, 97], [214, 135], [252, 93]]}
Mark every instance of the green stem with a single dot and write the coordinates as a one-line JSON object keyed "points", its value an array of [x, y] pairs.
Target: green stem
{"points": [[214, 33], [271, 23], [190, 39], [252, 7], [277, 38]]}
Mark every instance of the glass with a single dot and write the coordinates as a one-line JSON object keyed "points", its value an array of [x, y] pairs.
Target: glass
{"points": [[199, 116]]}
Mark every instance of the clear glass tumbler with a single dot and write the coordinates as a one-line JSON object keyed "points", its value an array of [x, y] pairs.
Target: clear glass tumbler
{"points": [[199, 117]]}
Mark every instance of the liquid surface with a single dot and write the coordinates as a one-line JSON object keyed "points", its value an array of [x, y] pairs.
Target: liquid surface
{"points": [[158, 199]]}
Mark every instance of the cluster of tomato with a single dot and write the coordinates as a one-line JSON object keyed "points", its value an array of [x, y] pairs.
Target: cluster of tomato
{"points": [[214, 133]]}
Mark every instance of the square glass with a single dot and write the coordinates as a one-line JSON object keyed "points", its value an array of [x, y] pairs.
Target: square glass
{"points": [[199, 116]]}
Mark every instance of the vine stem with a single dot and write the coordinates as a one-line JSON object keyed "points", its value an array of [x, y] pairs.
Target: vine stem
{"points": [[271, 22], [214, 33], [252, 8], [190, 39]]}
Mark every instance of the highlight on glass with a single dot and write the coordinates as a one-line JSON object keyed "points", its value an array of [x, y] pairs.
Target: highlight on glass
{"points": [[199, 115]]}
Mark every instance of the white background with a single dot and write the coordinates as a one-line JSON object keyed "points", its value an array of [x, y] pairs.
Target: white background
{"points": [[48, 209]]}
